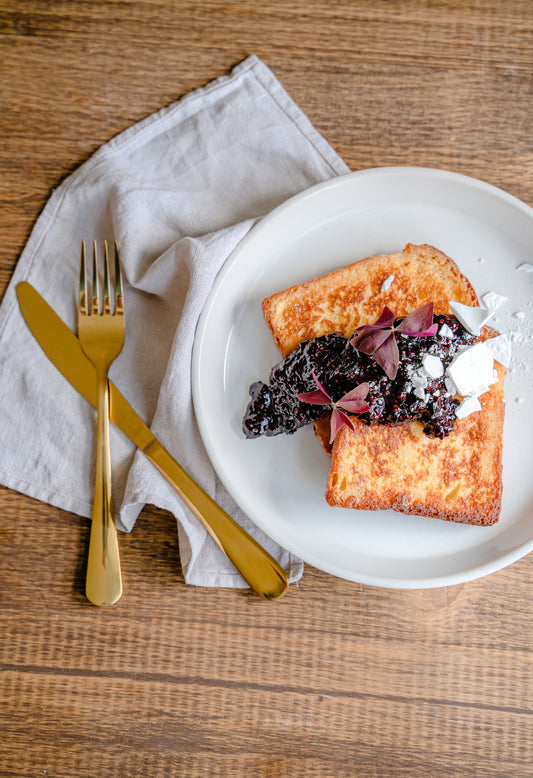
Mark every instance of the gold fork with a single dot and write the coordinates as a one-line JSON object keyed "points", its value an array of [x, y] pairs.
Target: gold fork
{"points": [[101, 334]]}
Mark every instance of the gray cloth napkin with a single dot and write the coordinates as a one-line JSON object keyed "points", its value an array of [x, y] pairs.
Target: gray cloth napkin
{"points": [[178, 190]]}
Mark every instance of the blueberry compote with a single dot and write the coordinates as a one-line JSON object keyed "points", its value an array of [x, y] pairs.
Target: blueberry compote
{"points": [[274, 407]]}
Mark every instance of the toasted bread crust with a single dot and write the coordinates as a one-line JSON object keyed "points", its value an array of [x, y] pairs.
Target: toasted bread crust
{"points": [[344, 299]]}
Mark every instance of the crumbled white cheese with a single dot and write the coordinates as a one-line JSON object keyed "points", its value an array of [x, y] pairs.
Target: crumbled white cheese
{"points": [[482, 389], [467, 406], [387, 283], [419, 381], [493, 300], [445, 331], [432, 365], [472, 318], [520, 315], [450, 386], [472, 370], [500, 348]]}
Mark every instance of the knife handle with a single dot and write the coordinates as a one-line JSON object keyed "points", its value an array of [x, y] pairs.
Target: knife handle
{"points": [[258, 568]]}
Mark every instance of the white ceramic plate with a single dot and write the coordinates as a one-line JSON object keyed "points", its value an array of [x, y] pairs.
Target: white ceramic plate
{"points": [[279, 482]]}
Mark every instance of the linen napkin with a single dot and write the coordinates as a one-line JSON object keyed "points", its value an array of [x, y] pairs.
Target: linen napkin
{"points": [[178, 190]]}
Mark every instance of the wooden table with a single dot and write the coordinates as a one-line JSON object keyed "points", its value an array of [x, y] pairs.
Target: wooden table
{"points": [[337, 679]]}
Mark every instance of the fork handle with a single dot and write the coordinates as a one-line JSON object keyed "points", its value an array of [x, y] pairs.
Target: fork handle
{"points": [[103, 584]]}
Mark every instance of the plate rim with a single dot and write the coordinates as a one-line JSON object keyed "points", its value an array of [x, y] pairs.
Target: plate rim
{"points": [[426, 173]]}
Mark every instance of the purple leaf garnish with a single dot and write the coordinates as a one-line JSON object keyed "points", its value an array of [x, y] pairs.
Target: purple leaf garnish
{"points": [[378, 340], [388, 357], [419, 323], [319, 396], [338, 418], [386, 320], [353, 402], [369, 341]]}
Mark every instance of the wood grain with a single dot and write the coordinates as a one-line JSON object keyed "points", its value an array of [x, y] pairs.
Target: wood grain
{"points": [[337, 679]]}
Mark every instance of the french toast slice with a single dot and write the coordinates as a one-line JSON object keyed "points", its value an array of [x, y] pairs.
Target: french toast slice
{"points": [[457, 478], [344, 299]]}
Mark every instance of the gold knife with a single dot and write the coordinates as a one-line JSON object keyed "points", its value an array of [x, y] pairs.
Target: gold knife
{"points": [[258, 568]]}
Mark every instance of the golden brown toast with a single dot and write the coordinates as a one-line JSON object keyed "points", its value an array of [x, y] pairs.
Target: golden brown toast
{"points": [[347, 298], [458, 478]]}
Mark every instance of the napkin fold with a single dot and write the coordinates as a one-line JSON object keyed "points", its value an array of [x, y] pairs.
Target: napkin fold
{"points": [[178, 190]]}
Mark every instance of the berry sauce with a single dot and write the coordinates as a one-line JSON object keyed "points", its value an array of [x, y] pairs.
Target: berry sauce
{"points": [[274, 408]]}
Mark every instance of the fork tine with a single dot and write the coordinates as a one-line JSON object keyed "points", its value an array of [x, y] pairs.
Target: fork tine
{"points": [[83, 281], [107, 301], [119, 291], [96, 283]]}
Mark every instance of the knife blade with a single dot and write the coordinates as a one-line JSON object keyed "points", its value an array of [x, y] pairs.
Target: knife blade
{"points": [[258, 568]]}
